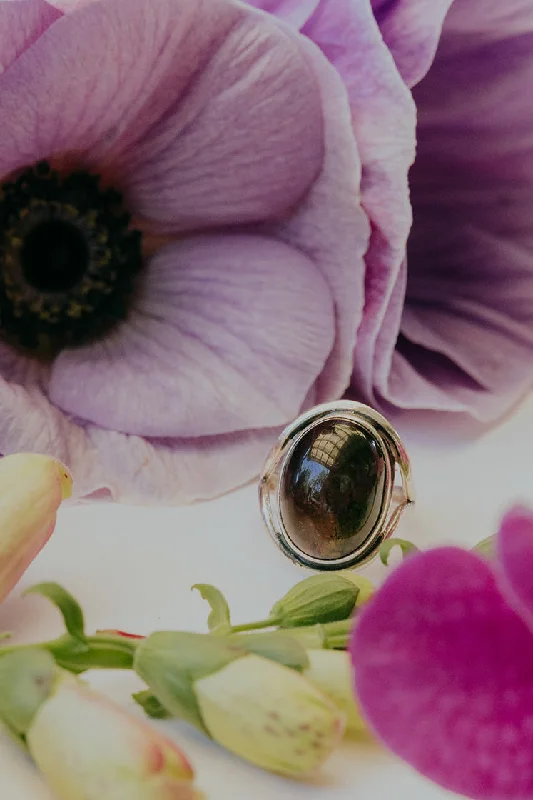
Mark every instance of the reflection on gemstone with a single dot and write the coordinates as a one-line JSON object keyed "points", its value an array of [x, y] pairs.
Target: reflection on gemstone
{"points": [[333, 489]]}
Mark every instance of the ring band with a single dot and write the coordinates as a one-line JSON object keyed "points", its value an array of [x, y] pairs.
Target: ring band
{"points": [[335, 486]]}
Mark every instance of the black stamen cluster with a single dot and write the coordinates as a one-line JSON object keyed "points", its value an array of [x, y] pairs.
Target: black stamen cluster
{"points": [[68, 259]]}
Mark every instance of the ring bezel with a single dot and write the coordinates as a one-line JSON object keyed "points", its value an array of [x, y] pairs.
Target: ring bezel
{"points": [[395, 459]]}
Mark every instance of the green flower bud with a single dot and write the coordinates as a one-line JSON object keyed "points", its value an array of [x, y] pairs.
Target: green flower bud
{"points": [[320, 598]]}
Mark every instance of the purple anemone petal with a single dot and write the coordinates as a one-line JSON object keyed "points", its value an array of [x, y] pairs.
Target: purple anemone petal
{"points": [[181, 105], [411, 29], [444, 674], [175, 471], [229, 333], [515, 558], [465, 340], [132, 469], [383, 121], [21, 24], [295, 12]]}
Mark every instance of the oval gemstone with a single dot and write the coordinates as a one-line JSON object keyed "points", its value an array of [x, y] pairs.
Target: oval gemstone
{"points": [[332, 489]]}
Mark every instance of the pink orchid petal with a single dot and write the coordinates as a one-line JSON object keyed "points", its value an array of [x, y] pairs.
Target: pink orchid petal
{"points": [[181, 105], [229, 334], [21, 24], [444, 674], [411, 30], [515, 558]]}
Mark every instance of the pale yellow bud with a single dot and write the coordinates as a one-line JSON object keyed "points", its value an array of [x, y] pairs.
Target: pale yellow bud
{"points": [[32, 488], [331, 672], [270, 715], [90, 749]]}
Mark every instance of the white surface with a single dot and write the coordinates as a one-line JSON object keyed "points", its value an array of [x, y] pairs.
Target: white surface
{"points": [[131, 568]]}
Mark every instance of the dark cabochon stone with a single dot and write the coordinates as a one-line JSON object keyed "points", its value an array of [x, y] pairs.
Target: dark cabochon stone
{"points": [[332, 489]]}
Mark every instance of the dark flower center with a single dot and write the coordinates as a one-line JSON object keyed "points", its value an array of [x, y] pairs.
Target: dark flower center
{"points": [[68, 259], [54, 256]]}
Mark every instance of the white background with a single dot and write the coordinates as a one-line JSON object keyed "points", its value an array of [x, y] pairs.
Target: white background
{"points": [[131, 568]]}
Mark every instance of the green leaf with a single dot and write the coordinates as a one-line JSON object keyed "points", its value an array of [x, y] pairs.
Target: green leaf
{"points": [[485, 547], [6, 635], [276, 646], [96, 652], [219, 618], [151, 705], [67, 605], [407, 548]]}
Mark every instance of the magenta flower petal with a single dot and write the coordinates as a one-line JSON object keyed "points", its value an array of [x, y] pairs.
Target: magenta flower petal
{"points": [[444, 673], [21, 24], [162, 112], [515, 557], [229, 334]]}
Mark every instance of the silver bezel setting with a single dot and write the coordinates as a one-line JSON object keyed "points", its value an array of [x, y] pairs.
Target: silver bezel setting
{"points": [[396, 496]]}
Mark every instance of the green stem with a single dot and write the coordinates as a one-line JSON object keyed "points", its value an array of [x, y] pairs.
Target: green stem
{"points": [[94, 652], [271, 622]]}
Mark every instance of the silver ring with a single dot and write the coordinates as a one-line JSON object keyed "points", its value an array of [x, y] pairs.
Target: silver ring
{"points": [[335, 486]]}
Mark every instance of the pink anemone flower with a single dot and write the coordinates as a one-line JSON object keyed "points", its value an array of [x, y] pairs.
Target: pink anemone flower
{"points": [[443, 660]]}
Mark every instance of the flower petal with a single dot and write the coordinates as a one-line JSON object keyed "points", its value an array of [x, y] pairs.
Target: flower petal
{"points": [[331, 226], [296, 12], [181, 105], [444, 674], [466, 335], [131, 469], [21, 24], [515, 557], [229, 334], [411, 30], [383, 120]]}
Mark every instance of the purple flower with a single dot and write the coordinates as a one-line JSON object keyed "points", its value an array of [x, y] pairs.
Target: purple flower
{"points": [[206, 147], [443, 659], [448, 322], [269, 207]]}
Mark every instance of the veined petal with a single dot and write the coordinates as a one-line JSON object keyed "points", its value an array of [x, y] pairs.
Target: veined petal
{"points": [[181, 105], [130, 468], [296, 12], [229, 334], [444, 674], [21, 23], [465, 340], [411, 30]]}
